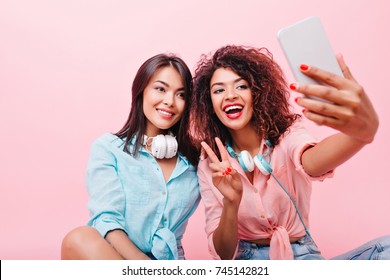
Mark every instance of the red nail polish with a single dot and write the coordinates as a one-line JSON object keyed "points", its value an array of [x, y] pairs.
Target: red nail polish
{"points": [[296, 99], [293, 86], [228, 170], [304, 67], [303, 111], [224, 173]]}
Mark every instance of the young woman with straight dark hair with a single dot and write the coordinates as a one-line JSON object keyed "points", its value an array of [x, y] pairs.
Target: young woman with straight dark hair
{"points": [[142, 181]]}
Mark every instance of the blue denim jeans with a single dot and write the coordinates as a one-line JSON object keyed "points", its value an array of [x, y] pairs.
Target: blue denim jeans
{"points": [[306, 249], [377, 249], [303, 249]]}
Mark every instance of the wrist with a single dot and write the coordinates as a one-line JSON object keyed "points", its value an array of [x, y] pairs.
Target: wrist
{"points": [[231, 204]]}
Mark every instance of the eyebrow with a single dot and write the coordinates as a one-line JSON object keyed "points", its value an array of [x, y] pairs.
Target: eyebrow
{"points": [[162, 82], [220, 83], [167, 85]]}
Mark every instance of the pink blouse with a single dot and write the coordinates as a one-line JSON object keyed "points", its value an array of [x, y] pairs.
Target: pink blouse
{"points": [[265, 210]]}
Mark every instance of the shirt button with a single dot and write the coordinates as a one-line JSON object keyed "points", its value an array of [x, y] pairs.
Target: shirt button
{"points": [[164, 193], [165, 219]]}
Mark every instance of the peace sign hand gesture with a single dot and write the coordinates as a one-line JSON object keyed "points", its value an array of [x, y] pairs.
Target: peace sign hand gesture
{"points": [[225, 178]]}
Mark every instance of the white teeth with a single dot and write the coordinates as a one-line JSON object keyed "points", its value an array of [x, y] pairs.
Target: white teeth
{"points": [[232, 108], [164, 113]]}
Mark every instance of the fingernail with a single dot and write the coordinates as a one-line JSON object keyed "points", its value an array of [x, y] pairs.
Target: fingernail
{"points": [[228, 170], [294, 86], [304, 111], [304, 67], [296, 99]]}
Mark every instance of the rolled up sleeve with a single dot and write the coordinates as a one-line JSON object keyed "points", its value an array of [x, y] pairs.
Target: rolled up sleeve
{"points": [[296, 142], [106, 203]]}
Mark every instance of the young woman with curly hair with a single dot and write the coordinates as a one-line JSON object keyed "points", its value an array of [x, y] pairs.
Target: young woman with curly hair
{"points": [[242, 119]]}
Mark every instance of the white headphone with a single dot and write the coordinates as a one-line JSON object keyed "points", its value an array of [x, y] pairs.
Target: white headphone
{"points": [[162, 146], [248, 164]]}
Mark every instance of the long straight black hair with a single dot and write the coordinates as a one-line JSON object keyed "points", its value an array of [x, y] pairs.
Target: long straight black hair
{"points": [[136, 122]]}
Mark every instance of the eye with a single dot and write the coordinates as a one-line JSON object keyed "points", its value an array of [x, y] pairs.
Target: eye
{"points": [[181, 94], [161, 89], [218, 90], [242, 86]]}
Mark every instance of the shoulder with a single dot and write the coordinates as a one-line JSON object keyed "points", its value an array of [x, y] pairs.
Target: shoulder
{"points": [[184, 160], [294, 141], [203, 169], [296, 134], [107, 141]]}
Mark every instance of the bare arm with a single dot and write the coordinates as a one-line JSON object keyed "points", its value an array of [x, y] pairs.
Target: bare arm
{"points": [[351, 113], [124, 246], [225, 236], [329, 153], [230, 186]]}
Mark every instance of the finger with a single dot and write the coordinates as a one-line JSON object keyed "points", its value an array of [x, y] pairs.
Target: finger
{"points": [[326, 77], [323, 120], [222, 149], [219, 170], [327, 109], [344, 68], [318, 91], [217, 167], [210, 152], [235, 175], [237, 179]]}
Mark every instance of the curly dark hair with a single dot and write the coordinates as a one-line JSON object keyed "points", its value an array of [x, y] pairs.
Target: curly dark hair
{"points": [[271, 109]]}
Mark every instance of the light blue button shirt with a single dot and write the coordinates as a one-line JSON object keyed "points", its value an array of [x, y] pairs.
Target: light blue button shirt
{"points": [[131, 194]]}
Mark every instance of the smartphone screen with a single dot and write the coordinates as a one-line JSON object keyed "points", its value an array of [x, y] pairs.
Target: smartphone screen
{"points": [[305, 42]]}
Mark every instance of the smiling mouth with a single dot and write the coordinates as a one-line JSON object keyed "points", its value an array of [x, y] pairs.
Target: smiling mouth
{"points": [[234, 109], [165, 113]]}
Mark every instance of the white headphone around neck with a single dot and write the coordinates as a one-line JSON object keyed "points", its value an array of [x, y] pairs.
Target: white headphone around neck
{"points": [[162, 146], [248, 164]]}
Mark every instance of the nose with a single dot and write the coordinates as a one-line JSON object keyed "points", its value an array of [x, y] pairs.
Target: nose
{"points": [[231, 94], [169, 99]]}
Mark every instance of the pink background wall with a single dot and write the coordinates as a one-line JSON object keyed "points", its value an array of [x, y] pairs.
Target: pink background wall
{"points": [[65, 76]]}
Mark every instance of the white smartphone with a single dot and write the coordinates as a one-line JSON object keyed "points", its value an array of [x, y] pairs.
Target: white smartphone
{"points": [[305, 42]]}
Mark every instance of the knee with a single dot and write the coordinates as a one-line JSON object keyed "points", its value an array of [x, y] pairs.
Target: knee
{"points": [[384, 241], [74, 242], [383, 247]]}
